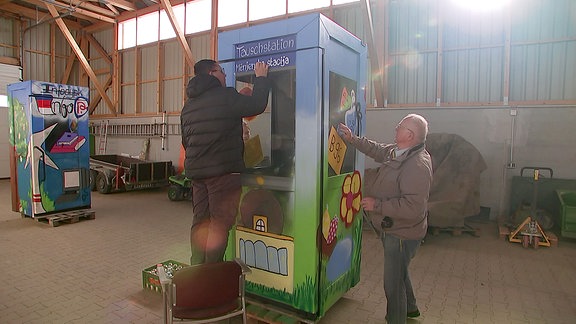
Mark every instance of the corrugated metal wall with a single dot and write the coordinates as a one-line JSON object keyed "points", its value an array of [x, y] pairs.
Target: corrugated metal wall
{"points": [[438, 55], [442, 54], [7, 37], [102, 65], [37, 54], [543, 51], [163, 75], [174, 81], [473, 46], [36, 60], [8, 74], [149, 79]]}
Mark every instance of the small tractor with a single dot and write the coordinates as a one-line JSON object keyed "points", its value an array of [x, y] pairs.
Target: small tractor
{"points": [[180, 188]]}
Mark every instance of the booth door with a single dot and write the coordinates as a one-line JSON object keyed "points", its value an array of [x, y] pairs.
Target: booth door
{"points": [[341, 221]]}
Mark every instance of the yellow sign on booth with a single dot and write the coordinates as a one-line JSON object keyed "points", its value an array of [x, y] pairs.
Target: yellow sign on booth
{"points": [[336, 150]]}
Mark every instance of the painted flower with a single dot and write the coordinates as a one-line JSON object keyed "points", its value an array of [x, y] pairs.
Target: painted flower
{"points": [[351, 197]]}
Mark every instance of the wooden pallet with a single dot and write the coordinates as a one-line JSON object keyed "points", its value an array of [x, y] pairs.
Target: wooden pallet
{"points": [[455, 230], [69, 217], [258, 313]]}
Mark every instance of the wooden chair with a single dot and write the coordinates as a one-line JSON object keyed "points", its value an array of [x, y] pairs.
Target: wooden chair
{"points": [[205, 293]]}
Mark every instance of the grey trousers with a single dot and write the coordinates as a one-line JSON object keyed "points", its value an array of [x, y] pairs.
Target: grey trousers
{"points": [[397, 286]]}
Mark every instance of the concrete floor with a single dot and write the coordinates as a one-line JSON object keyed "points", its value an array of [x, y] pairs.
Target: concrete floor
{"points": [[91, 271]]}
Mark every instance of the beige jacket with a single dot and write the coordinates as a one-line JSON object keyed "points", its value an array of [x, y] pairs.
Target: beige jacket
{"points": [[401, 186]]}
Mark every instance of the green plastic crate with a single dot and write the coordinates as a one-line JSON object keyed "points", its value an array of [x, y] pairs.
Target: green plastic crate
{"points": [[568, 209], [150, 278]]}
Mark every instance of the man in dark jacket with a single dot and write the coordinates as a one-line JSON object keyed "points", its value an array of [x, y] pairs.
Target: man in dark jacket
{"points": [[396, 197], [211, 122]]}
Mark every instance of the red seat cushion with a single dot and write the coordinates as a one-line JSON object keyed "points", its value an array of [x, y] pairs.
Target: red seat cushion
{"points": [[207, 290]]}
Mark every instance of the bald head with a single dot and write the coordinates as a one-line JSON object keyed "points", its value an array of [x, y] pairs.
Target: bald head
{"points": [[418, 125], [411, 131]]}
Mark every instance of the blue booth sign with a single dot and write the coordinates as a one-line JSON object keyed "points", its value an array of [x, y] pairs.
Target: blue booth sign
{"points": [[277, 52]]}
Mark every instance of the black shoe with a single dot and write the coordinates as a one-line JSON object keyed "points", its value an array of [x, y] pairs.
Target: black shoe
{"points": [[413, 314]]}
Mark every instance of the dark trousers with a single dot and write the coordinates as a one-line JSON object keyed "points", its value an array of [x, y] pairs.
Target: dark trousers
{"points": [[215, 205], [397, 286]]}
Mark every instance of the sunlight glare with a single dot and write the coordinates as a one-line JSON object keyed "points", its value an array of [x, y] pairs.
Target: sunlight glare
{"points": [[481, 5]]}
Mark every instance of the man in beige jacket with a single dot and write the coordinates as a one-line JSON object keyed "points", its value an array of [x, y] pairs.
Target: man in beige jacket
{"points": [[396, 196]]}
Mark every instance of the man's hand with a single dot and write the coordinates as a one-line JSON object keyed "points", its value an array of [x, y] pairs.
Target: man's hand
{"points": [[368, 203], [261, 69], [345, 132]]}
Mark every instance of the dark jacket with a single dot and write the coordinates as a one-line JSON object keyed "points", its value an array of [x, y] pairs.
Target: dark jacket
{"points": [[401, 186], [211, 122]]}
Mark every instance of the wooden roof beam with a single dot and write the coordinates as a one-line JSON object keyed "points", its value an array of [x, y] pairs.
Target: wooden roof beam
{"points": [[129, 6], [93, 15], [94, 42], [33, 14], [81, 57]]}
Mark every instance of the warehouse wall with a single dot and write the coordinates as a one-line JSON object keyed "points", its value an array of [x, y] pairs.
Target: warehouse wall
{"points": [[462, 70], [542, 137]]}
